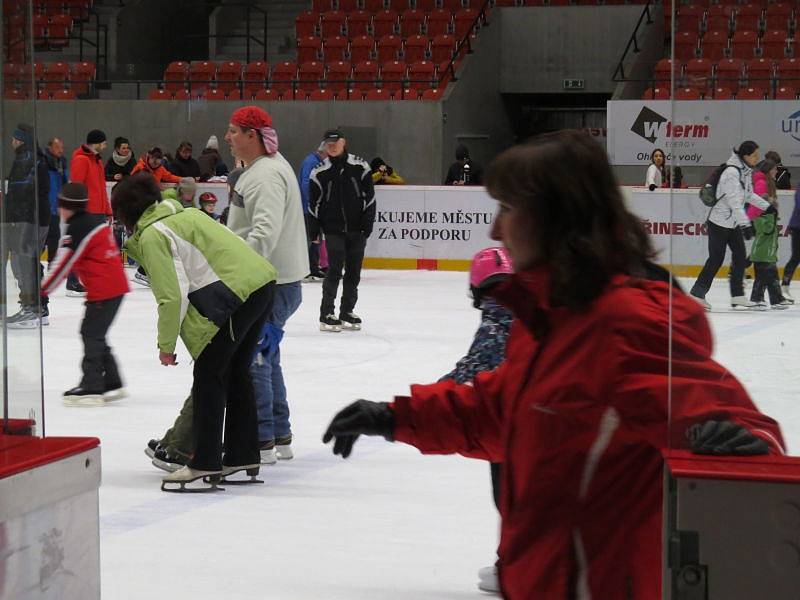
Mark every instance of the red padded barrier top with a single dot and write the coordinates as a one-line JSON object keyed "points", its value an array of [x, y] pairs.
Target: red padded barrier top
{"points": [[777, 469], [20, 453]]}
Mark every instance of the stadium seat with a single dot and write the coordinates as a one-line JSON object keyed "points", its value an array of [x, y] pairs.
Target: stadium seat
{"points": [[358, 23], [365, 75], [719, 17], [722, 93], [425, 5], [714, 44], [334, 48], [463, 21], [687, 93], [373, 6], [442, 48], [785, 93], [12, 73], [321, 6], [235, 95], [788, 73], [338, 78], [413, 95], [176, 75], [759, 72], [384, 23], [79, 9], [58, 30], [255, 77], [685, 45], [751, 93], [744, 44], [438, 22], [411, 23], [389, 48], [378, 94], [265, 95], [159, 95], [697, 74], [228, 75], [747, 18], [332, 23], [321, 95], [362, 48], [347, 6], [56, 77], [39, 70], [282, 77], [422, 75], [657, 93], [416, 48], [311, 76], [306, 24], [393, 76], [40, 23], [778, 16], [775, 43], [665, 70], [690, 17], [729, 73], [309, 48], [182, 94], [432, 95], [452, 5], [202, 75], [63, 94], [213, 94]]}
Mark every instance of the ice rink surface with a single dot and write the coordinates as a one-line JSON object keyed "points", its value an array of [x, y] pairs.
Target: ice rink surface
{"points": [[387, 523]]}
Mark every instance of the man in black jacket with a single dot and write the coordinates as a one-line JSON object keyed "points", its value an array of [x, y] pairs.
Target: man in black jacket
{"points": [[183, 165], [341, 204], [26, 222]]}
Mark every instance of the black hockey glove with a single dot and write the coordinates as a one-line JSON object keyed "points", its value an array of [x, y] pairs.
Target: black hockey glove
{"points": [[748, 231], [723, 438], [361, 417]]}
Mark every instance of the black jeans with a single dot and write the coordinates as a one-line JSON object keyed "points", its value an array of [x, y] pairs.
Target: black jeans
{"points": [[718, 239], [794, 260], [222, 380], [344, 250], [53, 237], [313, 248], [766, 279], [99, 367]]}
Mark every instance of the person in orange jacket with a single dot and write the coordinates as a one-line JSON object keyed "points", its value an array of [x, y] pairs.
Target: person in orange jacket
{"points": [[151, 163]]}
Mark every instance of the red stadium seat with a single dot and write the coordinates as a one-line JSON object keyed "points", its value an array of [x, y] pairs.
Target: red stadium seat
{"points": [[306, 24], [378, 94], [373, 6], [463, 21], [685, 45], [235, 95], [321, 95], [228, 75], [759, 72], [358, 23], [58, 30], [697, 74], [393, 76], [57, 76], [365, 75], [282, 77], [159, 95], [267, 95], [416, 48], [751, 93], [439, 22], [714, 44], [665, 70], [422, 75], [785, 93], [213, 94], [411, 22], [744, 44], [332, 23], [64, 94], [788, 73], [311, 76], [309, 48], [747, 18], [182, 94], [719, 17], [384, 23], [389, 48], [413, 95], [778, 16], [690, 17], [442, 48], [321, 6], [656, 94], [347, 6], [255, 77], [775, 44], [687, 94], [339, 74], [454, 5], [433, 95], [425, 5], [176, 75], [202, 74], [729, 73], [334, 48], [722, 93], [79, 9], [362, 48]]}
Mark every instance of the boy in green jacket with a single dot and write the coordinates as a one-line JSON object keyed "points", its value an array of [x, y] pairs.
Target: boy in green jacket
{"points": [[215, 293]]}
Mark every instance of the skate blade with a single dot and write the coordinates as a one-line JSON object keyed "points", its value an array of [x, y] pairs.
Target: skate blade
{"points": [[149, 453], [286, 454], [114, 395], [182, 487], [74, 294], [251, 472], [85, 401], [330, 328], [166, 466], [351, 327]]}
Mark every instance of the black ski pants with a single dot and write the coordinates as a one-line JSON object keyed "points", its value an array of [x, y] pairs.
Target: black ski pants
{"points": [[100, 372], [344, 250], [222, 380], [720, 238], [794, 259]]}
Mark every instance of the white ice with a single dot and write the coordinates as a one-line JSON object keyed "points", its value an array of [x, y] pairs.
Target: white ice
{"points": [[387, 523]]}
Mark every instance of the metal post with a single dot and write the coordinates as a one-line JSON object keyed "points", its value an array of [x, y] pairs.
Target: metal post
{"points": [[247, 30], [265, 35]]}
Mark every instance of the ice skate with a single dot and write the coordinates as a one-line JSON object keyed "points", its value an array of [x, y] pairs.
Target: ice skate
{"points": [[330, 324], [150, 449], [740, 302], [26, 318], [179, 480], [166, 462], [76, 291], [782, 305], [487, 580], [786, 296], [115, 393], [81, 397], [760, 306], [701, 301], [250, 470], [269, 456], [283, 448], [141, 279], [350, 321]]}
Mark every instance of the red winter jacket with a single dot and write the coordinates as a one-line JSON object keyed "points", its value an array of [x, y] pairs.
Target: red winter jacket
{"points": [[578, 416], [89, 249], [87, 168], [161, 173]]}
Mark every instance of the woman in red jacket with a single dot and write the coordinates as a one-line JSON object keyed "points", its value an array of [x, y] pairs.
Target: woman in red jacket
{"points": [[584, 402]]}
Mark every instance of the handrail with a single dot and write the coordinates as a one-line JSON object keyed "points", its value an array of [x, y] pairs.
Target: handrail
{"points": [[632, 42], [465, 41], [248, 6]]}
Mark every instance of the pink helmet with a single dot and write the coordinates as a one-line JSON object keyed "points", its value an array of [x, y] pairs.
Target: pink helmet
{"points": [[488, 266]]}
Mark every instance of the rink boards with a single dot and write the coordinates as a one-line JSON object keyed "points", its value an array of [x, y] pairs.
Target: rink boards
{"points": [[442, 227]]}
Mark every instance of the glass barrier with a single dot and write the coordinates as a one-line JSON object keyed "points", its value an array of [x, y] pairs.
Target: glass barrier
{"points": [[24, 216]]}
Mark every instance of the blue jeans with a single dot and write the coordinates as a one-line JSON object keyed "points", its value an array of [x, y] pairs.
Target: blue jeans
{"points": [[273, 408]]}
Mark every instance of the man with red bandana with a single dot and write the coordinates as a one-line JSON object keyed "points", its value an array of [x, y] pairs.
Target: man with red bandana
{"points": [[267, 212]]}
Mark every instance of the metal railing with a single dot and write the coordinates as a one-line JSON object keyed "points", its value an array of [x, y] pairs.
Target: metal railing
{"points": [[248, 35], [633, 43]]}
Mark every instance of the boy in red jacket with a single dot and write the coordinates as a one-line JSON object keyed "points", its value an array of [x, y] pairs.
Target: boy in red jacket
{"points": [[88, 248], [152, 163]]}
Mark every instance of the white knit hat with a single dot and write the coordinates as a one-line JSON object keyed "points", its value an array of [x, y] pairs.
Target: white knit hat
{"points": [[213, 143]]}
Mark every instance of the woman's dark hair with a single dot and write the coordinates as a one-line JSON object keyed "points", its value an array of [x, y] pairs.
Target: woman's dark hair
{"points": [[663, 167], [182, 145], [746, 148], [765, 166], [119, 141], [132, 196], [584, 231], [156, 152], [774, 157]]}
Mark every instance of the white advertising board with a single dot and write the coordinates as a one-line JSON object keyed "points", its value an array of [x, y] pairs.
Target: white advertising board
{"points": [[700, 133]]}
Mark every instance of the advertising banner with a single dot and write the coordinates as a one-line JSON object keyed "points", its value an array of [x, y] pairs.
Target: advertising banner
{"points": [[700, 133]]}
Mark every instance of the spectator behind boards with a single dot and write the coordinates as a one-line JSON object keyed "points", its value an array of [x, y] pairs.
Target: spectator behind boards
{"points": [[464, 171], [122, 160], [383, 174]]}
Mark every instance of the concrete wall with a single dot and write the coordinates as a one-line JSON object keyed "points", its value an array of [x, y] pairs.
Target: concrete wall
{"points": [[544, 45], [407, 135], [472, 110], [638, 66]]}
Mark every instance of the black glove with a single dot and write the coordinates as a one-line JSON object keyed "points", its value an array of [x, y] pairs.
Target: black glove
{"points": [[748, 231], [724, 438], [361, 417], [652, 187]]}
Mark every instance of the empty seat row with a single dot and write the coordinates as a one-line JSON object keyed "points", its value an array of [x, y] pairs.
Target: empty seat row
{"points": [[365, 47], [723, 93], [377, 5], [729, 73], [58, 94], [716, 45], [78, 9], [320, 94], [751, 17], [50, 76], [386, 22]]}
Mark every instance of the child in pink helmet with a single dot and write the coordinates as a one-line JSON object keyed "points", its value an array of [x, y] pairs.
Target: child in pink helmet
{"points": [[489, 267]]}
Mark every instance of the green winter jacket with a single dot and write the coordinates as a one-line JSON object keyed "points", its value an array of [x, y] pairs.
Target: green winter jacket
{"points": [[200, 272], [765, 244]]}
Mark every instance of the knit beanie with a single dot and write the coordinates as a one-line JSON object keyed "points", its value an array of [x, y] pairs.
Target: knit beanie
{"points": [[73, 196], [213, 142], [24, 133], [95, 136], [188, 184]]}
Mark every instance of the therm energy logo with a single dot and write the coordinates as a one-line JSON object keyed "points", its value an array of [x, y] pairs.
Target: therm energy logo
{"points": [[650, 125]]}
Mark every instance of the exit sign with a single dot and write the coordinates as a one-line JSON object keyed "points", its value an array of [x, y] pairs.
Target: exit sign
{"points": [[573, 84]]}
